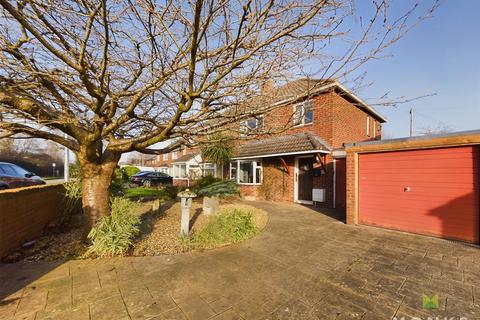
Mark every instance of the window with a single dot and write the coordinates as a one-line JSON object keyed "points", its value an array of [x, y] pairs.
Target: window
{"points": [[194, 171], [184, 150], [233, 170], [303, 113], [9, 171], [368, 126], [252, 124], [164, 170], [19, 171], [208, 169], [174, 154], [246, 171], [165, 157], [180, 170], [374, 130]]}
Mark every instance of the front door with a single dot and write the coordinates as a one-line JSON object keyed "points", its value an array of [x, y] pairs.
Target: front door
{"points": [[305, 179]]}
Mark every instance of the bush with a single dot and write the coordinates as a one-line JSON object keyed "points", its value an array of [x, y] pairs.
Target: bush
{"points": [[219, 189], [117, 188], [230, 226], [206, 181], [170, 192], [129, 171], [114, 234]]}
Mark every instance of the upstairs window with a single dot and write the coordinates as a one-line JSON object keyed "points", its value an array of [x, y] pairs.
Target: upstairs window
{"points": [[165, 157], [174, 154], [303, 113], [253, 124], [184, 150]]}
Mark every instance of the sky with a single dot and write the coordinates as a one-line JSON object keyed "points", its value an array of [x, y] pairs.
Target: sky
{"points": [[441, 56]]}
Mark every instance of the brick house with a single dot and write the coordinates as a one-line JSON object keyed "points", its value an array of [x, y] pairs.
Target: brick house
{"points": [[306, 162], [184, 164]]}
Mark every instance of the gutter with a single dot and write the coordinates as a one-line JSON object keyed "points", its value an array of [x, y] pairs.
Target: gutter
{"points": [[280, 154]]}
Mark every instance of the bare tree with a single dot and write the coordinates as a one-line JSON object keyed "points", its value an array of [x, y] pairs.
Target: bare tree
{"points": [[108, 77]]}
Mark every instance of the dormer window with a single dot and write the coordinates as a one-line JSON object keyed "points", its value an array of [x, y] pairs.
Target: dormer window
{"points": [[303, 113]]}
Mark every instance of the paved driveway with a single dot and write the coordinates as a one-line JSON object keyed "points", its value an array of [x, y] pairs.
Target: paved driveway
{"points": [[305, 265]]}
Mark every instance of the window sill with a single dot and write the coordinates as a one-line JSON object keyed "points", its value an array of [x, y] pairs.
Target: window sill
{"points": [[303, 125]]}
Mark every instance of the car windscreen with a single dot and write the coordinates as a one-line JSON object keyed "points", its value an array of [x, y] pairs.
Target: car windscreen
{"points": [[20, 171]]}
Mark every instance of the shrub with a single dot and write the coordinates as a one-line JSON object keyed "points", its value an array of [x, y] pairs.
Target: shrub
{"points": [[129, 171], [114, 234], [206, 181], [229, 226], [219, 189], [117, 188], [170, 192]]}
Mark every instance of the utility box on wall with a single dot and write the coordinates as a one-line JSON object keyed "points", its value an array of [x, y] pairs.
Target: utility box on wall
{"points": [[318, 195]]}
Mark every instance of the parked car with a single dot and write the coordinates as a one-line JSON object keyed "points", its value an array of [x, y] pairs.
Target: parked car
{"points": [[13, 176], [150, 178]]}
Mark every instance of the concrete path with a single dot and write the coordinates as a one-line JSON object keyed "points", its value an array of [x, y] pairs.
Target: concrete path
{"points": [[305, 265]]}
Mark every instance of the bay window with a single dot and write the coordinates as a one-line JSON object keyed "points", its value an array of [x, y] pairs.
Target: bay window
{"points": [[246, 171], [208, 169], [180, 170]]}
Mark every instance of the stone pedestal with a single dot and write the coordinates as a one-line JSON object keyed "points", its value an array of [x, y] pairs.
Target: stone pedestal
{"points": [[210, 205]]}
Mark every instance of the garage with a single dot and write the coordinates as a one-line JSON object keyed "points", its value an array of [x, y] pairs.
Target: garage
{"points": [[433, 190]]}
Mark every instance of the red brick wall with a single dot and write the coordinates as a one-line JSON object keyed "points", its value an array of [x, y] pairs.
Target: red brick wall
{"points": [[160, 162], [24, 213], [278, 180], [351, 185], [335, 120]]}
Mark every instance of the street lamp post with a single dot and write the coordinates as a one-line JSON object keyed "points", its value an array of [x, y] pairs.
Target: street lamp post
{"points": [[53, 169]]}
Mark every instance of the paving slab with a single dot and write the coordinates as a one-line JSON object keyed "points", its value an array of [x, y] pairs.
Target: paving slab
{"points": [[305, 265]]}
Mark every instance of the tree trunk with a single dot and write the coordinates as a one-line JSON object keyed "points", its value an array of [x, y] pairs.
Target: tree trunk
{"points": [[96, 180]]}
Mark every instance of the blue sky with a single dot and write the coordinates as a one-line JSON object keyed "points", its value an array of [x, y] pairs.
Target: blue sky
{"points": [[442, 56]]}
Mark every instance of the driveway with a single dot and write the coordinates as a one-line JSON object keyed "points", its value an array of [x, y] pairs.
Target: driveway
{"points": [[305, 265]]}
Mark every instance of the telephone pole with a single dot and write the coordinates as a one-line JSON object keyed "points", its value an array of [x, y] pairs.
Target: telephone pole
{"points": [[411, 122]]}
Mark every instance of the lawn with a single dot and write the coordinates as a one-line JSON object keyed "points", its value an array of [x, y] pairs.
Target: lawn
{"points": [[142, 192]]}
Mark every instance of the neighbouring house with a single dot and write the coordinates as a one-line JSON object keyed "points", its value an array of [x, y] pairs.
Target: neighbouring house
{"points": [[184, 164]]}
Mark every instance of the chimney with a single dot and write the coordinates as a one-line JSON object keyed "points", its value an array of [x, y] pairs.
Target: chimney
{"points": [[267, 87]]}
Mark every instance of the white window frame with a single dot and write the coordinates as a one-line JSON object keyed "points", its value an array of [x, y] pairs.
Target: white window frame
{"points": [[175, 168], [303, 105], [236, 163], [174, 154], [165, 157], [368, 126], [184, 150], [374, 130], [211, 167], [259, 124]]}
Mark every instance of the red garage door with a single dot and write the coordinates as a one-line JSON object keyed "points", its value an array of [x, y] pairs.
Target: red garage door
{"points": [[434, 191]]}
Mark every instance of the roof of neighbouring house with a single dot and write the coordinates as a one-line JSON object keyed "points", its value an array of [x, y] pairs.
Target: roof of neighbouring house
{"points": [[186, 157], [282, 145]]}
